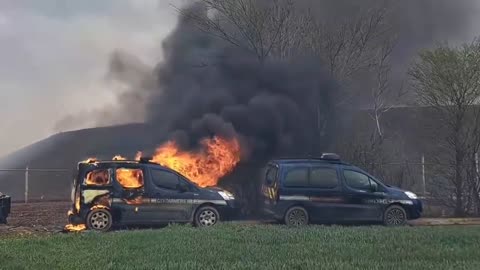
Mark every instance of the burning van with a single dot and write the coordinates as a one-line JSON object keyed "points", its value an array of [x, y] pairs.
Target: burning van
{"points": [[5, 202], [121, 192]]}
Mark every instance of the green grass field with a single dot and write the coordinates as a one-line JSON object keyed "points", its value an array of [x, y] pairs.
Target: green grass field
{"points": [[250, 247]]}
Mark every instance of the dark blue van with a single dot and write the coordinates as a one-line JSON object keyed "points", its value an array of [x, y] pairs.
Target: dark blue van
{"points": [[328, 190]]}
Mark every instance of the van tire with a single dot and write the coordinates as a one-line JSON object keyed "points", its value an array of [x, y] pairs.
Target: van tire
{"points": [[296, 216], [206, 216], [395, 215], [99, 220]]}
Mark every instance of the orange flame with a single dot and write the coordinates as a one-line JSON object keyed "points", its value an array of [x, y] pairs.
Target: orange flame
{"points": [[217, 158], [90, 160], [130, 178], [99, 206], [135, 201], [97, 178], [75, 228]]}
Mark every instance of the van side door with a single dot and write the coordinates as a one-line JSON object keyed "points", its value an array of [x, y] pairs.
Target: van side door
{"points": [[171, 196], [129, 201], [270, 185], [325, 193], [362, 193]]}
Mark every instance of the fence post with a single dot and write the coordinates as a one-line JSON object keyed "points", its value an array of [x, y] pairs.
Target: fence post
{"points": [[26, 185], [424, 186]]}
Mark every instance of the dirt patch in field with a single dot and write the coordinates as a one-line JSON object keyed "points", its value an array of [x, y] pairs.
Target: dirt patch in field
{"points": [[43, 218], [36, 218]]}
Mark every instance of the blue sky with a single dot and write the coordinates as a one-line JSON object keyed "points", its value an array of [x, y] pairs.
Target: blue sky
{"points": [[54, 56]]}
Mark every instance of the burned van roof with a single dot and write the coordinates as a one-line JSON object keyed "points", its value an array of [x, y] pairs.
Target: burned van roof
{"points": [[106, 163]]}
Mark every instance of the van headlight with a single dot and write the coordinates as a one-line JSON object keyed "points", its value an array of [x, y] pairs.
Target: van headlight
{"points": [[411, 195], [226, 195]]}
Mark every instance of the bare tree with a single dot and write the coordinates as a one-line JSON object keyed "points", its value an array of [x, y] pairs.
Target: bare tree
{"points": [[384, 96], [347, 45], [350, 46], [448, 79], [247, 24]]}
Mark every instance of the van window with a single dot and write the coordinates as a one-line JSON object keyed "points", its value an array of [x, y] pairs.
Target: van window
{"points": [[357, 180], [97, 178], [323, 178], [296, 177], [130, 178], [165, 179]]}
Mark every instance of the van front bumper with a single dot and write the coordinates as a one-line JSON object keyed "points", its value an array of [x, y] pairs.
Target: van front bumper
{"points": [[229, 211], [414, 210]]}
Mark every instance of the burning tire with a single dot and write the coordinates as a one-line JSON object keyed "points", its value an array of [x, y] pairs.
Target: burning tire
{"points": [[395, 216], [296, 216], [206, 216], [99, 220]]}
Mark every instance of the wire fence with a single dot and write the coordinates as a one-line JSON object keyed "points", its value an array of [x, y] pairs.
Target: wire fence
{"points": [[36, 184], [46, 184], [54, 184]]}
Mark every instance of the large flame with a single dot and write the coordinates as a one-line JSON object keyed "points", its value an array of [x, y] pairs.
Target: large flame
{"points": [[217, 158], [130, 178]]}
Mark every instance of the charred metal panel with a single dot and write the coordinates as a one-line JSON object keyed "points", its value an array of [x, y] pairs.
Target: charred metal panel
{"points": [[90, 194]]}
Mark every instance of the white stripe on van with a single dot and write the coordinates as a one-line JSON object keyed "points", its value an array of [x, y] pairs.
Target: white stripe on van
{"points": [[294, 198]]}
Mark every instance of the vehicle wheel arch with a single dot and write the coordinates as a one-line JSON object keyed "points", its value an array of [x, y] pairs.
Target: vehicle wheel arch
{"points": [[396, 204], [207, 206], [296, 205], [108, 214], [198, 207]]}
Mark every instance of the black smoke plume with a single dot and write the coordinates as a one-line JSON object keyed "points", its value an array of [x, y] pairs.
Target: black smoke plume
{"points": [[206, 87]]}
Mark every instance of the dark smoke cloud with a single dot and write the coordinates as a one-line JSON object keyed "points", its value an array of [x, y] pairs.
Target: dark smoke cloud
{"points": [[205, 87]]}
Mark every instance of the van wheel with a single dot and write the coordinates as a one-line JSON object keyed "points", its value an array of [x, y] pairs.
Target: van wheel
{"points": [[395, 216], [99, 220], [296, 216], [206, 216]]}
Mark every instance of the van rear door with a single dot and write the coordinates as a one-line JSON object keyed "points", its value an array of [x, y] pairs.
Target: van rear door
{"points": [[270, 185]]}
